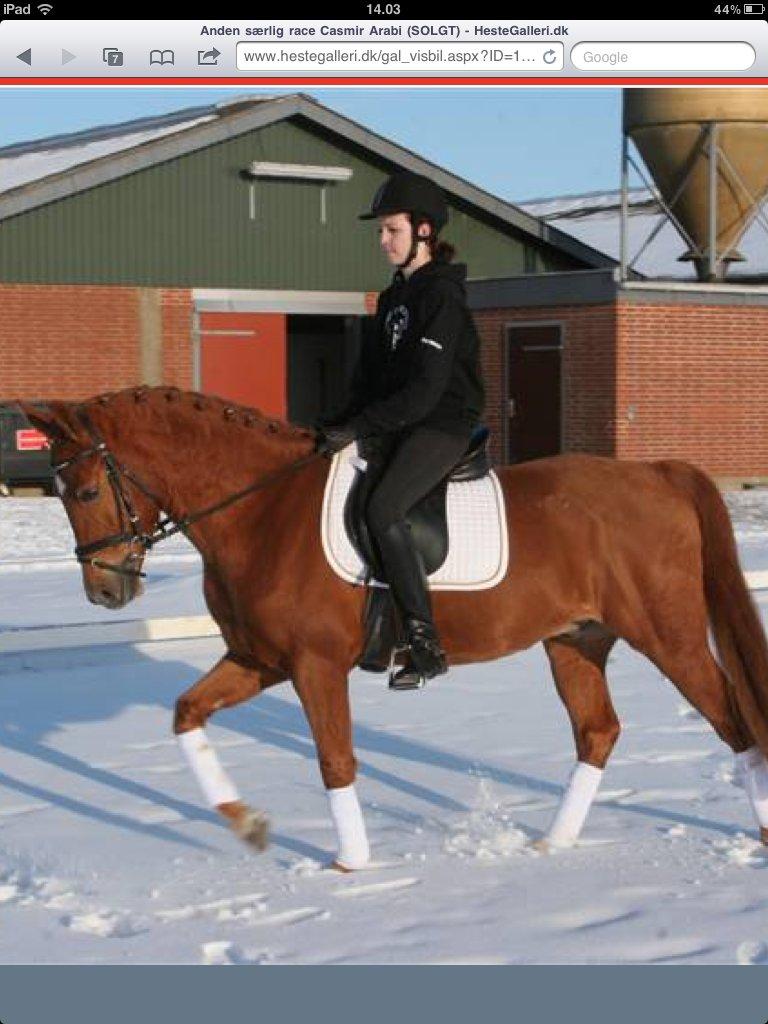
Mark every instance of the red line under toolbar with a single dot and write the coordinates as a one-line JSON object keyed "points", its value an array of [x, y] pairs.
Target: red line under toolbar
{"points": [[388, 80]]}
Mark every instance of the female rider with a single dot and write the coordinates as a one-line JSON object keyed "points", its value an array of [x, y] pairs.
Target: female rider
{"points": [[417, 394]]}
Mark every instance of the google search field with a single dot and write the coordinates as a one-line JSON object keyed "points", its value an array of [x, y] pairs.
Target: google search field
{"points": [[715, 56], [333, 57]]}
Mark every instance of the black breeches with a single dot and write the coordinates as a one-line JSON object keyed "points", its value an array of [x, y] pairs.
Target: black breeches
{"points": [[415, 466]]}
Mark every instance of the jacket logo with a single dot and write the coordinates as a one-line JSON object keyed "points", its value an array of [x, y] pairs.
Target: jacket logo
{"points": [[395, 325]]}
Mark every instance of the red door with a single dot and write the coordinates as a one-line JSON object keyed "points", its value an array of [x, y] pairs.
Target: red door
{"points": [[243, 357]]}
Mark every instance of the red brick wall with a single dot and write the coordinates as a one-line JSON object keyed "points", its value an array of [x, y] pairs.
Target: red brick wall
{"points": [[697, 377], [71, 341], [490, 328], [177, 308], [588, 372]]}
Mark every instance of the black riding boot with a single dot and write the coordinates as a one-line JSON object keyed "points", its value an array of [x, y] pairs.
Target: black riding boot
{"points": [[407, 579]]}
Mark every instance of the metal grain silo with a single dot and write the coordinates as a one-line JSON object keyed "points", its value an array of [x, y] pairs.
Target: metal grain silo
{"points": [[707, 150]]}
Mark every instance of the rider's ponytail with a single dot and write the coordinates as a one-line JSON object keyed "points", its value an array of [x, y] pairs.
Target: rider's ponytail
{"points": [[442, 252]]}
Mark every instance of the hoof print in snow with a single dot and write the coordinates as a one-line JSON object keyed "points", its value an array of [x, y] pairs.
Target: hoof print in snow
{"points": [[106, 924], [752, 953], [226, 954], [253, 829]]}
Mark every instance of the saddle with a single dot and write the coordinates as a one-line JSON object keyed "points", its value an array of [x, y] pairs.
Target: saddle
{"points": [[429, 528]]}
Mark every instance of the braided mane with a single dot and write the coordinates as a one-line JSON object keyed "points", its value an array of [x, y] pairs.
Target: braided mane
{"points": [[210, 407]]}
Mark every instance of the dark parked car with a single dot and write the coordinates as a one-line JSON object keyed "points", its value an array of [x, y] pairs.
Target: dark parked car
{"points": [[24, 453]]}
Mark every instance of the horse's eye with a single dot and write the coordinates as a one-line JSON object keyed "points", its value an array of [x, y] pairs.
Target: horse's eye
{"points": [[87, 494]]}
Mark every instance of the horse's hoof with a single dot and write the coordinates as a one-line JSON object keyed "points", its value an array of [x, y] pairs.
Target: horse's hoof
{"points": [[549, 845], [253, 828], [764, 836], [341, 868]]}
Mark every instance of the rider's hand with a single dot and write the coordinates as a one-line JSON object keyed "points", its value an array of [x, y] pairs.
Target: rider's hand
{"points": [[334, 439]]}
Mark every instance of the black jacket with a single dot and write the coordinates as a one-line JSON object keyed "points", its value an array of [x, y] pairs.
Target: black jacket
{"points": [[421, 364]]}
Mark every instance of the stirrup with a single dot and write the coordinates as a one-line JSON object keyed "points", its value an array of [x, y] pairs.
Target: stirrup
{"points": [[407, 678], [411, 676]]}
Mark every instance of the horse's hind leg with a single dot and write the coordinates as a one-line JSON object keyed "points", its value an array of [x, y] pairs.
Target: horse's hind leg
{"points": [[694, 671], [684, 656], [578, 665], [224, 686]]}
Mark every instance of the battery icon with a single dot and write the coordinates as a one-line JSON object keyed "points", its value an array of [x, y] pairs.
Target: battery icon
{"points": [[754, 8]]}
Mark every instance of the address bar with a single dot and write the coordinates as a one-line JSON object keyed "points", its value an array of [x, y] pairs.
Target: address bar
{"points": [[396, 57], [501, 57]]}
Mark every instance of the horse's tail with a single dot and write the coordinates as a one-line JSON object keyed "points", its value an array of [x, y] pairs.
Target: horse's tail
{"points": [[735, 623]]}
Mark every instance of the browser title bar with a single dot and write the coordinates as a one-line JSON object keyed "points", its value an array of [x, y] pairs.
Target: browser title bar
{"points": [[274, 48]]}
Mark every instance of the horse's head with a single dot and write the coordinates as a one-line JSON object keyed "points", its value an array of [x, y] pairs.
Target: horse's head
{"points": [[107, 513]]}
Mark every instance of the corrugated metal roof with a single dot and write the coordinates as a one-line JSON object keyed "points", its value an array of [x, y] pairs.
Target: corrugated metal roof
{"points": [[25, 162], [595, 217]]}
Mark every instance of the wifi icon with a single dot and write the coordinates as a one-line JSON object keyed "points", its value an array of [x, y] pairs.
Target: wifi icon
{"points": [[45, 8]]}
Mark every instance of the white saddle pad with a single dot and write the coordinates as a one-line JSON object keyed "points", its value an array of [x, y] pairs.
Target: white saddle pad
{"points": [[478, 548]]}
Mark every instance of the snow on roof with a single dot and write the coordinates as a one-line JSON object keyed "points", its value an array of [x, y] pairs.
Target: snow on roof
{"points": [[594, 218], [25, 162]]}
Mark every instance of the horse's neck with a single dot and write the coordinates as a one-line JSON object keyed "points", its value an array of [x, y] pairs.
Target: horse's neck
{"points": [[188, 480]]}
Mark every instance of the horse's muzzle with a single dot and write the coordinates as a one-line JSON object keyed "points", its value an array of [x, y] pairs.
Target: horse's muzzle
{"points": [[110, 588]]}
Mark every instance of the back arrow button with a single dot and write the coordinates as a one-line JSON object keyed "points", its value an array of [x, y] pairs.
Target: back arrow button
{"points": [[26, 56]]}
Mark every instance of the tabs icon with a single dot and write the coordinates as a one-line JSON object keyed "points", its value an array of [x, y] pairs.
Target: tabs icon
{"points": [[112, 56]]}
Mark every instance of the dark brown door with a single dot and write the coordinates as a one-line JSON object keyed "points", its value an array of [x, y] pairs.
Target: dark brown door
{"points": [[322, 352], [533, 388]]}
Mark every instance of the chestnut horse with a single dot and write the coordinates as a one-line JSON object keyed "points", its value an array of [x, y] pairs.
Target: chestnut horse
{"points": [[601, 549]]}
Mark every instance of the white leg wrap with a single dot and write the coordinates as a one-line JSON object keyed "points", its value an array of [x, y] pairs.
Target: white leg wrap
{"points": [[350, 827], [575, 804], [216, 785], [755, 771]]}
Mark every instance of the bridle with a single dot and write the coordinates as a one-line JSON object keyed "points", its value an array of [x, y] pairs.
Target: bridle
{"points": [[129, 518]]}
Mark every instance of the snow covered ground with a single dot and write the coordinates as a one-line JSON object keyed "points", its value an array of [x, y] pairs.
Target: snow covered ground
{"points": [[107, 854]]}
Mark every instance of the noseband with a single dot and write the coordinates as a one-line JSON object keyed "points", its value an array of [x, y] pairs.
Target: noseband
{"points": [[129, 517]]}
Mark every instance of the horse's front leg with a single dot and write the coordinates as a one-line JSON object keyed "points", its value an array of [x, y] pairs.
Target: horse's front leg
{"points": [[323, 689], [224, 686]]}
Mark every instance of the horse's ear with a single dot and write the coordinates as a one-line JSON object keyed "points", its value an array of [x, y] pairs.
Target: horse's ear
{"points": [[51, 418]]}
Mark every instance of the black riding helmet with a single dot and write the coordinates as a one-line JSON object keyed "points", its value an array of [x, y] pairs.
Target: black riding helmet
{"points": [[406, 192]]}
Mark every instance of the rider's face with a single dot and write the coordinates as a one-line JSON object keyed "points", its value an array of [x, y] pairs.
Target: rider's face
{"points": [[395, 236]]}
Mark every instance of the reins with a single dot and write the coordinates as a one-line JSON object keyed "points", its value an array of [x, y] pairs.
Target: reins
{"points": [[167, 525]]}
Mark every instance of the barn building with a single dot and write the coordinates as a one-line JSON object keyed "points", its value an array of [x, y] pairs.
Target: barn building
{"points": [[218, 248]]}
